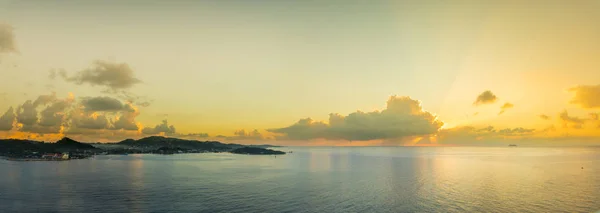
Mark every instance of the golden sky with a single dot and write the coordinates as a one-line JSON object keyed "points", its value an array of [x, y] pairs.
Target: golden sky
{"points": [[302, 72]]}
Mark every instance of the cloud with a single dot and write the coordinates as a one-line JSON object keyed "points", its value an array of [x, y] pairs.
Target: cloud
{"points": [[470, 135], [54, 114], [27, 113], [544, 117], [571, 122], [54, 73], [113, 76], [51, 119], [586, 96], [595, 117], [197, 135], [126, 119], [505, 107], [132, 98], [403, 117], [90, 121], [7, 39], [7, 120], [550, 128], [243, 135], [486, 97], [58, 115], [162, 128], [516, 131], [103, 112], [106, 104]]}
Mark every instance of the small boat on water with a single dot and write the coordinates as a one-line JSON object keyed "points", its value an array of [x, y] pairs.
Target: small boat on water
{"points": [[512, 144]]}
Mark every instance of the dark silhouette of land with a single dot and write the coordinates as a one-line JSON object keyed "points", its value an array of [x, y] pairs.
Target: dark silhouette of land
{"points": [[67, 148], [256, 151]]}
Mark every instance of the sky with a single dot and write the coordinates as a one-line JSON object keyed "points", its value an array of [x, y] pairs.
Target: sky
{"points": [[351, 73]]}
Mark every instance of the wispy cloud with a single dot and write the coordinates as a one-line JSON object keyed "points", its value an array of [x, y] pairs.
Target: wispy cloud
{"points": [[505, 107], [7, 39]]}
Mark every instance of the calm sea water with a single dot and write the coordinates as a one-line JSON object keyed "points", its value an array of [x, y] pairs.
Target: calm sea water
{"points": [[365, 179]]}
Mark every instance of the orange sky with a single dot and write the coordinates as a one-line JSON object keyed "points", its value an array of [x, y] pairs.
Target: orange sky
{"points": [[108, 71]]}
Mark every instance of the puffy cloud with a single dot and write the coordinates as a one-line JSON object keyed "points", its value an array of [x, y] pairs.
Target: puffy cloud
{"points": [[571, 122], [27, 113], [487, 97], [7, 39], [162, 128], [505, 107], [126, 119], [586, 96], [544, 117], [49, 116], [54, 114], [243, 135], [49, 121], [106, 104], [113, 76], [403, 117], [90, 121], [7, 120]]}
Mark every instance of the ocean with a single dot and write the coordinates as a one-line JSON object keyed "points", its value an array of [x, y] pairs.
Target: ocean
{"points": [[313, 179]]}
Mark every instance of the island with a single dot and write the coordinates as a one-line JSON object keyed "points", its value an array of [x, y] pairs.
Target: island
{"points": [[67, 148], [256, 151]]}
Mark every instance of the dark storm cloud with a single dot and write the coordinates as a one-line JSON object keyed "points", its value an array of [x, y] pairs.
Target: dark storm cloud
{"points": [[7, 39], [160, 128], [586, 96], [113, 76], [402, 117], [505, 107], [106, 104], [486, 97], [7, 120]]}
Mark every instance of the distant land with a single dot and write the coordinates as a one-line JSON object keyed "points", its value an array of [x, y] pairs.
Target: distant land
{"points": [[66, 148]]}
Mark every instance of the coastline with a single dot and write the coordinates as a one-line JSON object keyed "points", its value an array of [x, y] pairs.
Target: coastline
{"points": [[34, 159]]}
